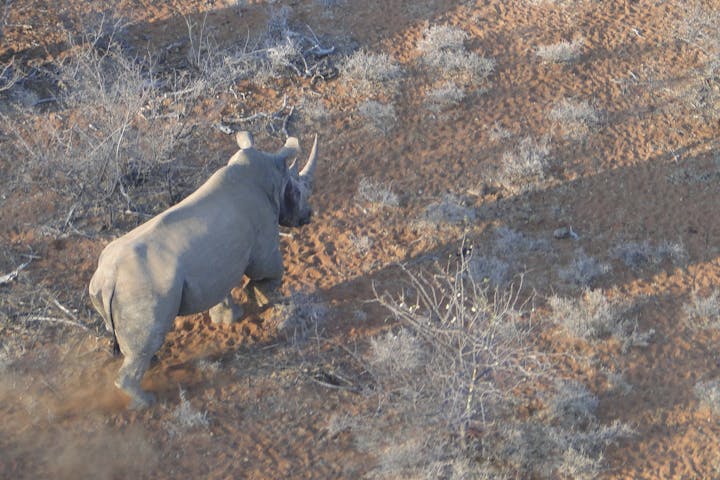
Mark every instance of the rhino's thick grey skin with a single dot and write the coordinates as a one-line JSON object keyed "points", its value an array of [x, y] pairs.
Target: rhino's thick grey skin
{"points": [[188, 258]]}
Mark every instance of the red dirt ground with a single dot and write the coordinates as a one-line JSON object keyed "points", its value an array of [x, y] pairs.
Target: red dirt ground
{"points": [[633, 177]]}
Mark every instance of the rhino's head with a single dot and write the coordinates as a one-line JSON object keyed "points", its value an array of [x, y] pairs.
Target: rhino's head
{"points": [[295, 193], [294, 186]]}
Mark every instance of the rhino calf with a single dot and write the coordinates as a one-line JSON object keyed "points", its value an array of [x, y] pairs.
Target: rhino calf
{"points": [[188, 258]]}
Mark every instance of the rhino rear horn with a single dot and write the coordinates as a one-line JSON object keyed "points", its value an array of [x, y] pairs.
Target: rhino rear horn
{"points": [[308, 170]]}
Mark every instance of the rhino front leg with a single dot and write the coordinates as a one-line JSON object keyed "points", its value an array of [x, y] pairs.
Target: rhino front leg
{"points": [[265, 291], [226, 312], [266, 278]]}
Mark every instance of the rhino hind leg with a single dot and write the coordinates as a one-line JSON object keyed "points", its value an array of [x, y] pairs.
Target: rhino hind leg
{"points": [[141, 329], [226, 312], [129, 377]]}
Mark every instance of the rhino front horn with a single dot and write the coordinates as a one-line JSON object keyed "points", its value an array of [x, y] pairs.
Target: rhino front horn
{"points": [[309, 169]]}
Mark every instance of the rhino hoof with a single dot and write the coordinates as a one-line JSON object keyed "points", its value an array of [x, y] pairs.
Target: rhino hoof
{"points": [[227, 313], [141, 401]]}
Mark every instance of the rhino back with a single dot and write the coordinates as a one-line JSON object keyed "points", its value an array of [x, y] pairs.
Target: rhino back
{"points": [[205, 242]]}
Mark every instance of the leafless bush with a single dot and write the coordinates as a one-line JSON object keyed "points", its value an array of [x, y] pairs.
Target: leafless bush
{"points": [[489, 269], [314, 110], [282, 51], [119, 140], [574, 117], [572, 404], [708, 392], [594, 316], [208, 366], [450, 209], [186, 417], [698, 27], [563, 439], [512, 243], [525, 166], [584, 270], [9, 75], [703, 311], [461, 347], [503, 258], [362, 243], [338, 423], [376, 193], [591, 317], [397, 353], [617, 383], [561, 52], [444, 97], [370, 73], [638, 255], [442, 49], [380, 117], [299, 316], [499, 133]]}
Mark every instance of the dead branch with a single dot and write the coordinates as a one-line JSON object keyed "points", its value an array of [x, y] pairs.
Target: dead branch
{"points": [[9, 76], [64, 309], [278, 115], [7, 278], [40, 318]]}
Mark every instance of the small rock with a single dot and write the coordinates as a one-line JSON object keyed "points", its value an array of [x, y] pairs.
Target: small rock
{"points": [[565, 232], [562, 232]]}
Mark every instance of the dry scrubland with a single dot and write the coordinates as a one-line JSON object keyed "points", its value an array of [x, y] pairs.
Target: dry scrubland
{"points": [[512, 271]]}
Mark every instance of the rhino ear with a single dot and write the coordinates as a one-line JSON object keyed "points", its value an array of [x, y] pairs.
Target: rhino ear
{"points": [[244, 139], [292, 143]]}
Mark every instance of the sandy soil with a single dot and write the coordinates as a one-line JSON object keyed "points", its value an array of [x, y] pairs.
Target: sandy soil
{"points": [[646, 169]]}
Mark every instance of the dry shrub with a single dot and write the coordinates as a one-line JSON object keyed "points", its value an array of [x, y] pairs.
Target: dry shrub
{"points": [[575, 117], [377, 193], [524, 168], [584, 270], [708, 393], [452, 366], [443, 51], [299, 316], [379, 117], [450, 209], [444, 97], [115, 138], [638, 255], [594, 317], [703, 311], [698, 28], [562, 440], [561, 52], [185, 417], [369, 74]]}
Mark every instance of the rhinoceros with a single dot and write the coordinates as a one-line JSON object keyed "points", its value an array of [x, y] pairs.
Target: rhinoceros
{"points": [[188, 258]]}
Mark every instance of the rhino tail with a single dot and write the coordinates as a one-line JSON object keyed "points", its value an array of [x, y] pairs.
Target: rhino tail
{"points": [[108, 293], [101, 296]]}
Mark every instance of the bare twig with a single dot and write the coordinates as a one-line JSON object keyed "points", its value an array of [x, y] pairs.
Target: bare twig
{"points": [[40, 318], [9, 76], [64, 309], [330, 385], [285, 121], [7, 278], [271, 117]]}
